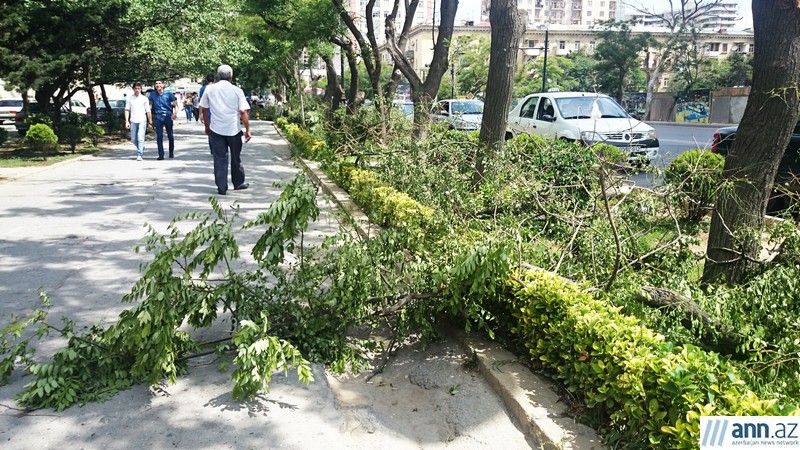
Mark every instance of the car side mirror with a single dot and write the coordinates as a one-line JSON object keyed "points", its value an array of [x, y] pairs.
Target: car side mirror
{"points": [[548, 118]]}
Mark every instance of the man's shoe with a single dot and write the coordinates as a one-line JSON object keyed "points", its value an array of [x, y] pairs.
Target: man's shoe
{"points": [[138, 158], [160, 158], [171, 156], [222, 192], [242, 187]]}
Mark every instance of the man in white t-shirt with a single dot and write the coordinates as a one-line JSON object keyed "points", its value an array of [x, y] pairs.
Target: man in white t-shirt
{"points": [[224, 128], [137, 118]]}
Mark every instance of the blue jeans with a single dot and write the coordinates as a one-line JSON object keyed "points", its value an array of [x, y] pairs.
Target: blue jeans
{"points": [[219, 148], [160, 121], [137, 136], [189, 113]]}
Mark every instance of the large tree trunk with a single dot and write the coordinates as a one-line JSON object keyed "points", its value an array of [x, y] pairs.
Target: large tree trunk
{"points": [[750, 167], [508, 25]]}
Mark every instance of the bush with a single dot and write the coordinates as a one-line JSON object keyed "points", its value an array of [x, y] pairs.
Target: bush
{"points": [[3, 136], [696, 176], [41, 138], [93, 131], [39, 118], [72, 134], [645, 386]]}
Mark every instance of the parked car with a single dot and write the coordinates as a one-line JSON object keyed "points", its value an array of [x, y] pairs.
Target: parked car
{"points": [[407, 108], [584, 117], [19, 118], [77, 106], [465, 115], [9, 108], [788, 174], [117, 107]]}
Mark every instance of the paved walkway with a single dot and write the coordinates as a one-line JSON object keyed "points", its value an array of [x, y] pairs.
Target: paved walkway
{"points": [[70, 229]]}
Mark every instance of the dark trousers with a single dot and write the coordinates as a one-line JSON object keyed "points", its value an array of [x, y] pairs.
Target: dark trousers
{"points": [[160, 122], [219, 148]]}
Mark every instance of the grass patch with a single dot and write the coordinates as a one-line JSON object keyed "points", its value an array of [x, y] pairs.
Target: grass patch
{"points": [[15, 154]]}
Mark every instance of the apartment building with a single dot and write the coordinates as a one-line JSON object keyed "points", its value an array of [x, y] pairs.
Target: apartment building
{"points": [[721, 16]]}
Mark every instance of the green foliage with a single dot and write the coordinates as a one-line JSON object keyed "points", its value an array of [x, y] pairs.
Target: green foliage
{"points": [[41, 138], [696, 176], [72, 134], [617, 56], [93, 131], [626, 371], [39, 118]]}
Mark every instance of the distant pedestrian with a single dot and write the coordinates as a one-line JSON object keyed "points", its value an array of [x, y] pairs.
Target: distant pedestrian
{"points": [[165, 111], [187, 107], [196, 106], [138, 118], [224, 128]]}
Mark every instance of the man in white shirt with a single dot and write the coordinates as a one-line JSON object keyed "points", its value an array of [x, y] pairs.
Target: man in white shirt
{"points": [[137, 118], [224, 128]]}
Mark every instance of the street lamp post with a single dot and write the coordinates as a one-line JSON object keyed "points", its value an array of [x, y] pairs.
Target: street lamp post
{"points": [[546, 48], [452, 79]]}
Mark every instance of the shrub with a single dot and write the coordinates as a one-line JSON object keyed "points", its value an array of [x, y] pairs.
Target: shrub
{"points": [[93, 131], [3, 136], [41, 138], [644, 385], [696, 175], [39, 118], [71, 134]]}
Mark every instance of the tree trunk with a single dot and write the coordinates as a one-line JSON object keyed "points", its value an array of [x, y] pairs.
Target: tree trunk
{"points": [[750, 167], [504, 17], [423, 92], [333, 92]]}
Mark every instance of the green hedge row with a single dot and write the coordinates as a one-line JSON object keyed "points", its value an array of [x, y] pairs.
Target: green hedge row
{"points": [[625, 370], [384, 205]]}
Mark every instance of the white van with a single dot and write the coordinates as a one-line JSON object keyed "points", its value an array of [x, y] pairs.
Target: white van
{"points": [[584, 117]]}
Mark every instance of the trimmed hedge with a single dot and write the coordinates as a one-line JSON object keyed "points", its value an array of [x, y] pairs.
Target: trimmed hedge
{"points": [[644, 385]]}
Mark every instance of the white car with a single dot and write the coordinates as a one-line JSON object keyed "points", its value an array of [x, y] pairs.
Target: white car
{"points": [[461, 114], [9, 108], [585, 117], [77, 106]]}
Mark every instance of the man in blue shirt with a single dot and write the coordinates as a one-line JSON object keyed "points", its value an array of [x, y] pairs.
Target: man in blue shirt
{"points": [[165, 111]]}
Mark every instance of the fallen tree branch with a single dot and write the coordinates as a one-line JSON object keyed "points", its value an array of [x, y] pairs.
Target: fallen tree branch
{"points": [[713, 334]]}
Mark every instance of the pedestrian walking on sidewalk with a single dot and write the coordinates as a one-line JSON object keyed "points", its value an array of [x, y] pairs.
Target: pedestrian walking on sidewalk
{"points": [[224, 128], [187, 107], [165, 111], [138, 118], [196, 106]]}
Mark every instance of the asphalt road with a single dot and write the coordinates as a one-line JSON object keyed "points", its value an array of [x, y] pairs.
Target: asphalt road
{"points": [[675, 138]]}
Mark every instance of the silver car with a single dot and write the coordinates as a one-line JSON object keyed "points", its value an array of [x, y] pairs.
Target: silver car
{"points": [[9, 109], [461, 114]]}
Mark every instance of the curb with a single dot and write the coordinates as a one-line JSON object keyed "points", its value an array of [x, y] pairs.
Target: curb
{"points": [[539, 412]]}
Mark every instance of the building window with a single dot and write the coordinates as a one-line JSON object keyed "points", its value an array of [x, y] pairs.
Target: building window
{"points": [[602, 4], [724, 48], [713, 47], [562, 45], [602, 13], [577, 45], [588, 14], [591, 45]]}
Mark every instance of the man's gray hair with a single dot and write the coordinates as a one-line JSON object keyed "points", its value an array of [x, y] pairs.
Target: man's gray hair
{"points": [[224, 72]]}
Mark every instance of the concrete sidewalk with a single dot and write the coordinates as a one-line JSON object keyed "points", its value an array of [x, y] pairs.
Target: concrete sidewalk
{"points": [[69, 230]]}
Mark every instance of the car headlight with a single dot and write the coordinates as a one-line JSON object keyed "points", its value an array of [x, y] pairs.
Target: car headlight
{"points": [[651, 134], [591, 136]]}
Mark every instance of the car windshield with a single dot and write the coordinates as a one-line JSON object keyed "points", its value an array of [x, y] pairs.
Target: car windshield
{"points": [[581, 107], [10, 102], [467, 107], [407, 108]]}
